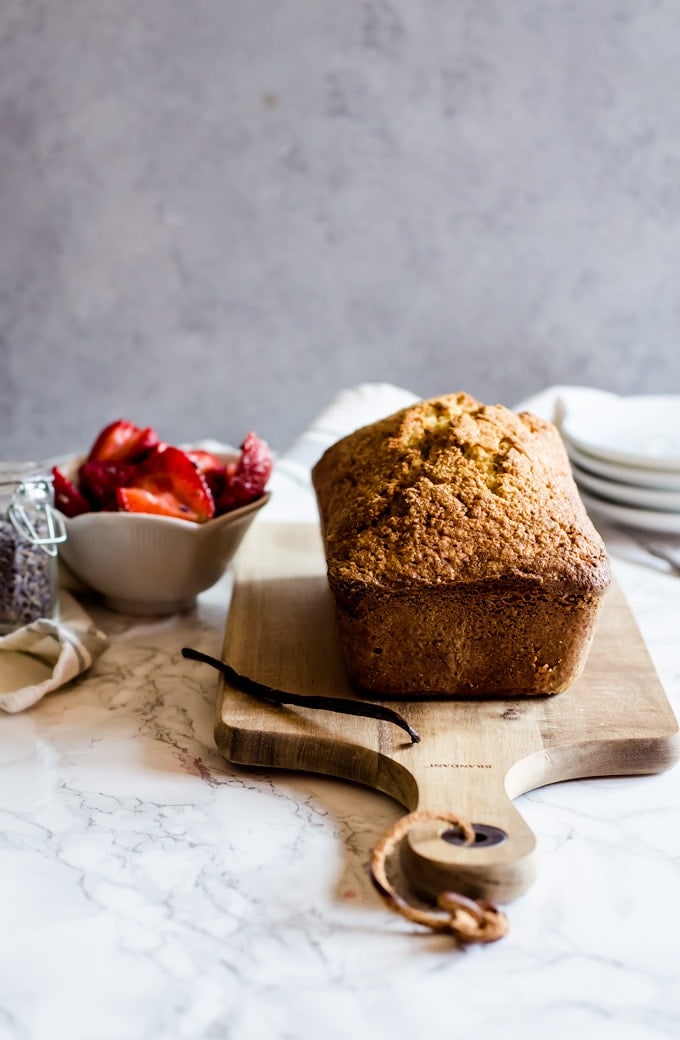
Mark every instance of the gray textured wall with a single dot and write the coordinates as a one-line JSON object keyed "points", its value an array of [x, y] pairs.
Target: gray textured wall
{"points": [[215, 214]]}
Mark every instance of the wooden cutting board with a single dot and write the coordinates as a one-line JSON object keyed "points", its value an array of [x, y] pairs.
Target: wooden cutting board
{"points": [[474, 757]]}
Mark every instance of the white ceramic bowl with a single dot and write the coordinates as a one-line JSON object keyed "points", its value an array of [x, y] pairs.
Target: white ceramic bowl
{"points": [[143, 564]]}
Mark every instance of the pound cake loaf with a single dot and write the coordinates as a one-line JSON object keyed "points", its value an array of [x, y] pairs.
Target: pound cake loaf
{"points": [[460, 558]]}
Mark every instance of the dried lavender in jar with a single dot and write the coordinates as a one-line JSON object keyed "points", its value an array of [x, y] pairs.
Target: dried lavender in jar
{"points": [[28, 564], [26, 590]]}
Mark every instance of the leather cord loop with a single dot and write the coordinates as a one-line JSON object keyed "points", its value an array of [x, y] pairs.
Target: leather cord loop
{"points": [[469, 920]]}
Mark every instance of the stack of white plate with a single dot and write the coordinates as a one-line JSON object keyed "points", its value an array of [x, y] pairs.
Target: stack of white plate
{"points": [[625, 456]]}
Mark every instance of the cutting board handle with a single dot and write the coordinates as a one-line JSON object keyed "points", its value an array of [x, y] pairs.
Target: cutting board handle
{"points": [[498, 863], [464, 833], [469, 920]]}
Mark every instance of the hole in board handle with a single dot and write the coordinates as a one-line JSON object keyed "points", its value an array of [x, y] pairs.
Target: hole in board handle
{"points": [[484, 835]]}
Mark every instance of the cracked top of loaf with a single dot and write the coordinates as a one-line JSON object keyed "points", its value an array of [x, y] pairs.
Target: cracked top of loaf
{"points": [[451, 490]]}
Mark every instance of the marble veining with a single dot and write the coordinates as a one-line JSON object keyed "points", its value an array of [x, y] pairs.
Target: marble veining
{"points": [[151, 890]]}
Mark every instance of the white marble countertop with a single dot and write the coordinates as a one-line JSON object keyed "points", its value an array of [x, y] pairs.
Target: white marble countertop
{"points": [[148, 889]]}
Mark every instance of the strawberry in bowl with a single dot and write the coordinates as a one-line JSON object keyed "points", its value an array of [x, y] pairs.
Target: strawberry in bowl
{"points": [[150, 525]]}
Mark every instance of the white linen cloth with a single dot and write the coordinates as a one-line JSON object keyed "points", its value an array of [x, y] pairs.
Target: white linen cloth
{"points": [[45, 655]]}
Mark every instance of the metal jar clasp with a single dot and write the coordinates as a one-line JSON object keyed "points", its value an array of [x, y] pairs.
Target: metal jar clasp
{"points": [[33, 517]]}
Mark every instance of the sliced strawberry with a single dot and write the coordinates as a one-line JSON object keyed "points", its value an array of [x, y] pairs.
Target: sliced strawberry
{"points": [[67, 497], [170, 476], [247, 480], [206, 461], [123, 441], [99, 480], [139, 500], [212, 468]]}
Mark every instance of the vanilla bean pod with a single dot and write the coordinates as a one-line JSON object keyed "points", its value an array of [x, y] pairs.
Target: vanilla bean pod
{"points": [[342, 705]]}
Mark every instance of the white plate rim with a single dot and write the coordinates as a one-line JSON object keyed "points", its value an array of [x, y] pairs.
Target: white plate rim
{"points": [[660, 480], [574, 428], [629, 516], [627, 494]]}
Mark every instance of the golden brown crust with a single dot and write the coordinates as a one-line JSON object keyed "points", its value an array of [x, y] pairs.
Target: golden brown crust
{"points": [[446, 502]]}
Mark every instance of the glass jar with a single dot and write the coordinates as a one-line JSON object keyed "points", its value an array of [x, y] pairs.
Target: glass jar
{"points": [[30, 532]]}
